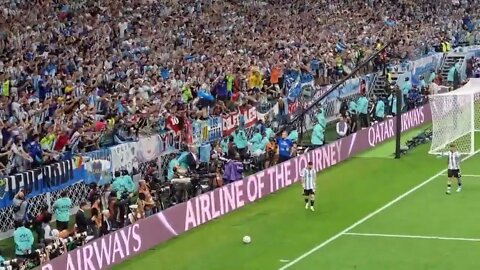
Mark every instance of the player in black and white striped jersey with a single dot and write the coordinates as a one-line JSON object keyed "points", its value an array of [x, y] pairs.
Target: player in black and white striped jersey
{"points": [[308, 176], [454, 158]]}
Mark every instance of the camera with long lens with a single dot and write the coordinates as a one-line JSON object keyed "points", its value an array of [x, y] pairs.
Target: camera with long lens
{"points": [[124, 196], [13, 264], [77, 239]]}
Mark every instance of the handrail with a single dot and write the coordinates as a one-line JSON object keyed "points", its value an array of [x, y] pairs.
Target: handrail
{"points": [[372, 84]]}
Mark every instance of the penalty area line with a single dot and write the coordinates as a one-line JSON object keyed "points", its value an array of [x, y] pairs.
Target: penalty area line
{"points": [[369, 216], [413, 236]]}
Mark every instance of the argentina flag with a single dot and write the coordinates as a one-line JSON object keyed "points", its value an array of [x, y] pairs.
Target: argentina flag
{"points": [[340, 47], [390, 22], [297, 82]]}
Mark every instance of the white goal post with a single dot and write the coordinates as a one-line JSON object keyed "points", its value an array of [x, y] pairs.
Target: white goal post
{"points": [[456, 118]]}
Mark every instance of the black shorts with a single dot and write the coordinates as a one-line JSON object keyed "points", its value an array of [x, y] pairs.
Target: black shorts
{"points": [[453, 173], [308, 192], [62, 225]]}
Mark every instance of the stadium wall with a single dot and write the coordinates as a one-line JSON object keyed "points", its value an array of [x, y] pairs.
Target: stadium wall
{"points": [[154, 230]]}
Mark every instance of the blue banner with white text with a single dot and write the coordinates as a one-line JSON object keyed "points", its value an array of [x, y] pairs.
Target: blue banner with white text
{"points": [[37, 181]]}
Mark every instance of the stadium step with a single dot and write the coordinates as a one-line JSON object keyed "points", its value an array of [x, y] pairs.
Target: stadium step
{"points": [[449, 61], [378, 85]]}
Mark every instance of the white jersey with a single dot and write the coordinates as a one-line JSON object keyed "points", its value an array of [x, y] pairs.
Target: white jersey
{"points": [[308, 178], [453, 160]]}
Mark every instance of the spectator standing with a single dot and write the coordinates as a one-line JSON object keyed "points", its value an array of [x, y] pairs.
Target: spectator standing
{"points": [[81, 219], [149, 202], [271, 152], [107, 190], [20, 207], [140, 209], [93, 193], [284, 147], [18, 156], [39, 220], [46, 228], [61, 208], [107, 225], [294, 150]]}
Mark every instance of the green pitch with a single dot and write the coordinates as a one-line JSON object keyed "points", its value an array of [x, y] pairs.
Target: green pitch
{"points": [[422, 229]]}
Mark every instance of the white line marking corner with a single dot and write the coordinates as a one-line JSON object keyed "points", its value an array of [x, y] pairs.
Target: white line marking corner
{"points": [[331, 239]]}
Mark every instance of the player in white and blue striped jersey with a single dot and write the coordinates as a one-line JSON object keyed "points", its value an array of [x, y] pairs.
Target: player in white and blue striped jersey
{"points": [[308, 176], [453, 171]]}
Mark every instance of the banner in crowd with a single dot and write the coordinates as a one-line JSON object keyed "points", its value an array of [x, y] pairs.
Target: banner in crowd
{"points": [[134, 239], [296, 82], [245, 118], [98, 167], [350, 87], [270, 115], [101, 164], [214, 130], [424, 67], [124, 156], [169, 142], [205, 131], [149, 148], [46, 179]]}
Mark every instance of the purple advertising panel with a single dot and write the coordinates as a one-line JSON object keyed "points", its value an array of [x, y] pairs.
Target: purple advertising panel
{"points": [[147, 233]]}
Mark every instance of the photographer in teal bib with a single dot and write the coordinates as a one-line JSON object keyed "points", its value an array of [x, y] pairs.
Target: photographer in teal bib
{"points": [[61, 208], [23, 238]]}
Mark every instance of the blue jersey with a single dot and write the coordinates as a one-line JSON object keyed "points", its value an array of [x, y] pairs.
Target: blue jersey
{"points": [[284, 146]]}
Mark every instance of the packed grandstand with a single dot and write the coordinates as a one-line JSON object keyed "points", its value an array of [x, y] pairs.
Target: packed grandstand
{"points": [[108, 106]]}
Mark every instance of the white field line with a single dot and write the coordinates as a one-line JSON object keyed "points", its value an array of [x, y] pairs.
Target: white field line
{"points": [[413, 236], [369, 216], [466, 175]]}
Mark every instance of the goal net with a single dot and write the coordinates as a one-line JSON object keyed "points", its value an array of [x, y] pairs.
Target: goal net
{"points": [[456, 118]]}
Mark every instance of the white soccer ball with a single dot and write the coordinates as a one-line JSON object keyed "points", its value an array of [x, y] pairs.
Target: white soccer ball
{"points": [[247, 239]]}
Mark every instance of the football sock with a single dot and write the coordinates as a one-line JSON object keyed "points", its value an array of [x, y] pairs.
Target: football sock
{"points": [[306, 200], [312, 202], [459, 182], [449, 187]]}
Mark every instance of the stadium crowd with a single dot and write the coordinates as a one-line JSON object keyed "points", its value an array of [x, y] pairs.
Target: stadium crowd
{"points": [[81, 75]]}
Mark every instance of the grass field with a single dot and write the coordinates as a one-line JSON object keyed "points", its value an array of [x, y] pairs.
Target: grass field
{"points": [[373, 213]]}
